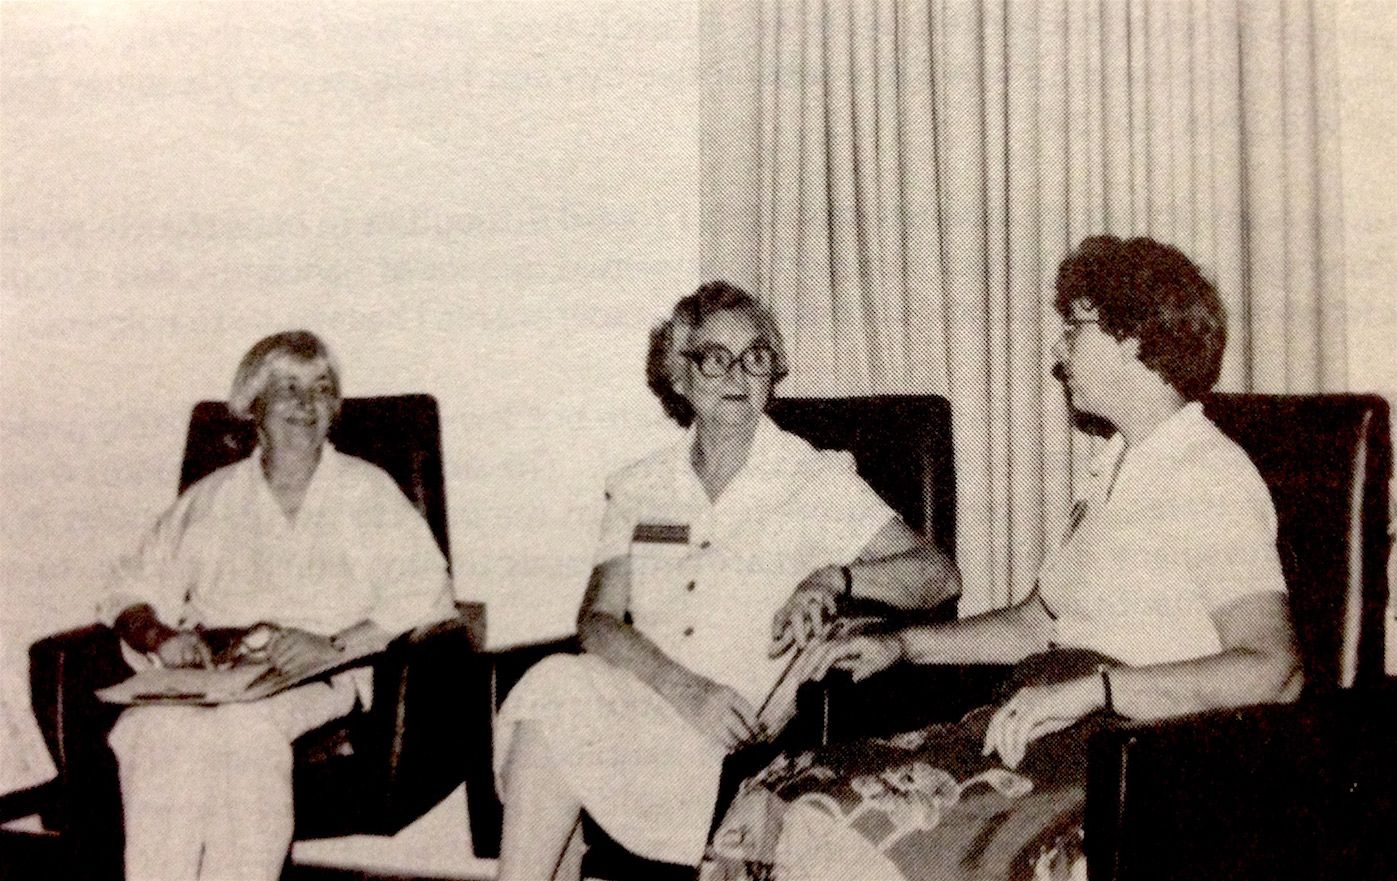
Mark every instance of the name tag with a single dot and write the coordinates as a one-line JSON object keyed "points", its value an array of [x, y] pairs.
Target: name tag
{"points": [[661, 533]]}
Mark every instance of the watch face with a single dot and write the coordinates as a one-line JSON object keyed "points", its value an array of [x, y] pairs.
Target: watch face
{"points": [[258, 638]]}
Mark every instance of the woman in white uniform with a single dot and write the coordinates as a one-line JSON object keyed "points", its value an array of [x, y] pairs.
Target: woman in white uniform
{"points": [[320, 549], [717, 555]]}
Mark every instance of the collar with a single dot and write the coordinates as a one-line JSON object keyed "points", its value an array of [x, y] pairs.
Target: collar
{"points": [[765, 442], [1166, 437], [330, 460]]}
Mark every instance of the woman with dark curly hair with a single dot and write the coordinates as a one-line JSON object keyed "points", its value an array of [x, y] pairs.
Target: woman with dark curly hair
{"points": [[1164, 598], [717, 555]]}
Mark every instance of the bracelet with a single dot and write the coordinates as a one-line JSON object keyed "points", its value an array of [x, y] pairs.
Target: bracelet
{"points": [[1110, 705], [848, 582]]}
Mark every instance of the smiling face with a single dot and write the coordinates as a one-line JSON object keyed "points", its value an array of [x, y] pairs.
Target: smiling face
{"points": [[297, 405], [735, 398]]}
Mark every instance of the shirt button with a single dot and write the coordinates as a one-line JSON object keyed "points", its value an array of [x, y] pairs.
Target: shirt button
{"points": [[691, 585], [688, 631]]}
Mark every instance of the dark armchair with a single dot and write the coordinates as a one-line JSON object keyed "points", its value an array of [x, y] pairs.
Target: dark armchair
{"points": [[1296, 791], [1300, 791], [902, 445], [372, 772]]}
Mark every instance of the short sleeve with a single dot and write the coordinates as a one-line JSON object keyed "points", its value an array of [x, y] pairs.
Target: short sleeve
{"points": [[414, 588], [617, 524], [846, 511], [1229, 542], [154, 573]]}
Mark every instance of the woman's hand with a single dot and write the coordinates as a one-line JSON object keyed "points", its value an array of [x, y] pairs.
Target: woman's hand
{"points": [[184, 648], [1038, 710], [292, 651], [860, 655], [810, 611], [718, 712]]}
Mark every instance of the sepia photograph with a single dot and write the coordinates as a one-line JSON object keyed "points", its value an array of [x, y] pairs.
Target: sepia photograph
{"points": [[697, 440]]}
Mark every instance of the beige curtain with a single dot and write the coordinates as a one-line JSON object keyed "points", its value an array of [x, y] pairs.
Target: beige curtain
{"points": [[900, 179]]}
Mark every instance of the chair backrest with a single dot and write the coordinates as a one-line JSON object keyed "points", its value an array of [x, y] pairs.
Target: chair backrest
{"points": [[902, 444], [1327, 460], [400, 434]]}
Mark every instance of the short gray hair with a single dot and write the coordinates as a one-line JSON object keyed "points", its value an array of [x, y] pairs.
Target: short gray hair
{"points": [[255, 370]]}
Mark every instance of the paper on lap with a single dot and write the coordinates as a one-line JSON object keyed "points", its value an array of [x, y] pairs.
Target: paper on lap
{"points": [[205, 686]]}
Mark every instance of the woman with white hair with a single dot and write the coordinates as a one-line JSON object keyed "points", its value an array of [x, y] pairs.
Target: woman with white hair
{"points": [[717, 554], [323, 550]]}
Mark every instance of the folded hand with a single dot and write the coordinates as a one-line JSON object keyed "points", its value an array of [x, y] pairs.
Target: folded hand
{"points": [[293, 651], [860, 655], [809, 613], [184, 648], [1038, 710]]}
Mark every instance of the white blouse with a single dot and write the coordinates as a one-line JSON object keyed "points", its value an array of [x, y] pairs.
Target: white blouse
{"points": [[1167, 533], [707, 577], [225, 554]]}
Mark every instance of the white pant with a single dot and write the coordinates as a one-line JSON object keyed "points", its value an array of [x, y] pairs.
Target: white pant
{"points": [[206, 791]]}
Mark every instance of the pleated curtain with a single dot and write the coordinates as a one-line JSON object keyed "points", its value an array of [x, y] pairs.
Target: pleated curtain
{"points": [[900, 179]]}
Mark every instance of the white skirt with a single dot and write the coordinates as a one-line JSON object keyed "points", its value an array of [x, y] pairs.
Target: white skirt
{"points": [[643, 773]]}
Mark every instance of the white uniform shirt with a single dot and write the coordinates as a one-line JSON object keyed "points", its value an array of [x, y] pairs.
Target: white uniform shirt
{"points": [[225, 555], [706, 577], [1168, 532]]}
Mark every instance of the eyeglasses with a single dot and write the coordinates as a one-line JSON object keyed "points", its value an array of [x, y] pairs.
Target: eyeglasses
{"points": [[758, 359], [1072, 326], [288, 388]]}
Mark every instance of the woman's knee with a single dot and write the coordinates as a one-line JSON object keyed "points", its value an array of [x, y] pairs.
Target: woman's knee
{"points": [[142, 730], [248, 735], [550, 679]]}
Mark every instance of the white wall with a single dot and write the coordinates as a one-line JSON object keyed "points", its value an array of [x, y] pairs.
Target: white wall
{"points": [[490, 202]]}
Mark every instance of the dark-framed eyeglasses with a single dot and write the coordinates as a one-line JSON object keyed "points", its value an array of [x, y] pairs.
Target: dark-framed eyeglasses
{"points": [[1072, 326], [758, 359]]}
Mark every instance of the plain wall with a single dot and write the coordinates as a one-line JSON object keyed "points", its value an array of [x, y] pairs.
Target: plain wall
{"points": [[490, 202]]}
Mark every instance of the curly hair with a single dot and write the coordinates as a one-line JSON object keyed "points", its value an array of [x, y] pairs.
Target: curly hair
{"points": [[255, 370], [664, 362], [1151, 292]]}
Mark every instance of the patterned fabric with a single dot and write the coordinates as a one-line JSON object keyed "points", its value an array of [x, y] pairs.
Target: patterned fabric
{"points": [[922, 806]]}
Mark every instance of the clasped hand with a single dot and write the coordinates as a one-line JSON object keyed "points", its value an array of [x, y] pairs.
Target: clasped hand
{"points": [[290, 651], [809, 613]]}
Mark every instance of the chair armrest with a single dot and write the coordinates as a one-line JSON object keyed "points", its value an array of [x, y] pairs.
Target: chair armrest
{"points": [[1255, 792], [428, 686], [496, 673], [65, 671], [905, 697]]}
